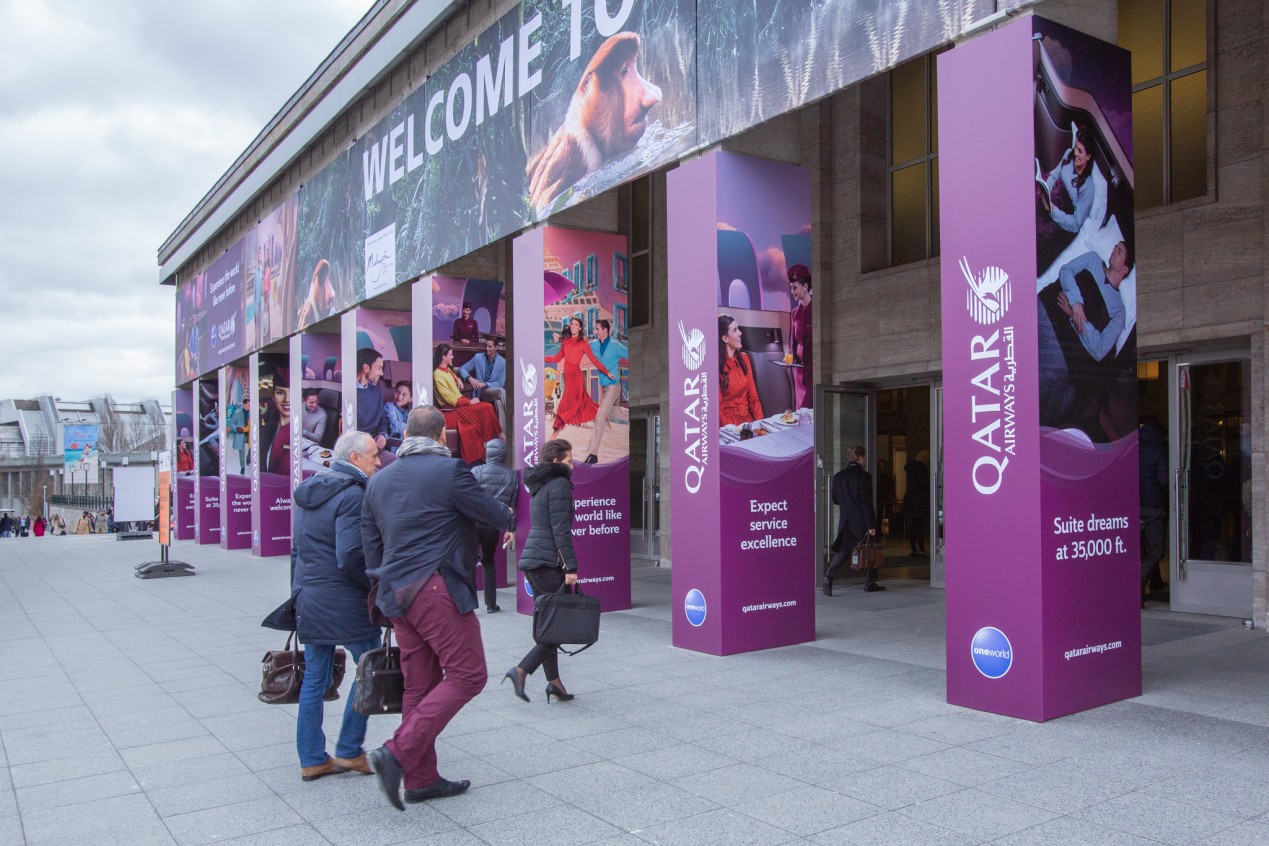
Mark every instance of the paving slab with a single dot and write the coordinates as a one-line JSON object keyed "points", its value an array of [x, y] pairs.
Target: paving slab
{"points": [[129, 716]]}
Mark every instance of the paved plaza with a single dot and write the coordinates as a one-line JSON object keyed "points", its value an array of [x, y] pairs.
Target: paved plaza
{"points": [[129, 716]]}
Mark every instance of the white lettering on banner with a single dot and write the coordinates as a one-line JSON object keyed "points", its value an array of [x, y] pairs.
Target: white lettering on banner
{"points": [[696, 429], [517, 73], [992, 403]]}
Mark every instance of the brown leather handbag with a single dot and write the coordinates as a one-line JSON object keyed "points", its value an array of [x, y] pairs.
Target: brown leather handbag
{"points": [[867, 554], [284, 675]]}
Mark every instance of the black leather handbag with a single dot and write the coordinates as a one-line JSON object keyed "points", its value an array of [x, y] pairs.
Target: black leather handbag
{"points": [[379, 684], [564, 617], [283, 672]]}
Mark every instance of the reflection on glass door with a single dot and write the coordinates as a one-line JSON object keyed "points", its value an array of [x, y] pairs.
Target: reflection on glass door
{"points": [[645, 510], [841, 421], [1213, 488], [902, 471]]}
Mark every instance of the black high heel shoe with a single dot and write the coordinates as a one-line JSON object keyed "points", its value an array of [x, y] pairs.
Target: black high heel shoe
{"points": [[552, 690], [514, 675]]}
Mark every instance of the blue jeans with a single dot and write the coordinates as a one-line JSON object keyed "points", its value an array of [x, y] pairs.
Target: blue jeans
{"points": [[310, 740]]}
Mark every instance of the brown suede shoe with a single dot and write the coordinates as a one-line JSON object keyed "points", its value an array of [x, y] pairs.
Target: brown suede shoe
{"points": [[358, 764], [323, 769]]}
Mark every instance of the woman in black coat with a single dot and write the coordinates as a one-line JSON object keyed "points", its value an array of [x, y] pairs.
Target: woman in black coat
{"points": [[548, 559]]}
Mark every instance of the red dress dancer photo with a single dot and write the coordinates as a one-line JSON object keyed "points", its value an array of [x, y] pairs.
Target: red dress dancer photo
{"points": [[476, 422], [738, 394], [576, 405]]}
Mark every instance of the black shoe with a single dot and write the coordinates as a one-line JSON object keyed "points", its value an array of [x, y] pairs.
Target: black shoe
{"points": [[592, 459], [514, 675], [827, 586], [388, 774], [873, 588], [439, 789], [493, 609], [552, 690]]}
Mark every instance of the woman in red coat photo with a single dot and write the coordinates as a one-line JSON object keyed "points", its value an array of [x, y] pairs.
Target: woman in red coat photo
{"points": [[576, 406], [738, 395]]}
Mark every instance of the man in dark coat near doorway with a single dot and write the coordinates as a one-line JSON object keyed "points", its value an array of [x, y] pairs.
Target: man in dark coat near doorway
{"points": [[328, 569], [852, 494]]}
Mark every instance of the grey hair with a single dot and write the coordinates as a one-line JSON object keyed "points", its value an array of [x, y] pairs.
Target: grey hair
{"points": [[351, 442]]}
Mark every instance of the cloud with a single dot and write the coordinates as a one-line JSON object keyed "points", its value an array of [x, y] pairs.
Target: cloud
{"points": [[115, 120]]}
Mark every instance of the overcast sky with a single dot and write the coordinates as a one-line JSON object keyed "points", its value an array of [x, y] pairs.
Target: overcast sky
{"points": [[115, 119]]}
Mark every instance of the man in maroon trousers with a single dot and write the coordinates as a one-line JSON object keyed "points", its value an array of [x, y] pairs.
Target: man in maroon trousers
{"points": [[419, 520]]}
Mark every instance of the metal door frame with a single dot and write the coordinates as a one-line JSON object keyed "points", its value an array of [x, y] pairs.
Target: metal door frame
{"points": [[823, 479], [649, 547]]}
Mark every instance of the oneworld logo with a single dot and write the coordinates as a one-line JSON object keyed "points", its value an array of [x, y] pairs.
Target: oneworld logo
{"points": [[693, 347], [991, 651], [989, 293], [528, 588], [694, 607]]}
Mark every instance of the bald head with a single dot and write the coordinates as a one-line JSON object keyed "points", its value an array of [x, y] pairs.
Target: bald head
{"points": [[426, 421]]}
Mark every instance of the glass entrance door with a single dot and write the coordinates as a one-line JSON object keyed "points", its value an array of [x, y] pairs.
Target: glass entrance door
{"points": [[1212, 573], [841, 421], [645, 506]]}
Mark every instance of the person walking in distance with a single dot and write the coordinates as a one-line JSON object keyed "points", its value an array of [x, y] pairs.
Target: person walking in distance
{"points": [[328, 569], [418, 525], [548, 560], [852, 494], [499, 481]]}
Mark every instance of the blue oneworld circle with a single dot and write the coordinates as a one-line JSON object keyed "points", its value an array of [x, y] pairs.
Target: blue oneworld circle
{"points": [[528, 588], [992, 652], [694, 607]]}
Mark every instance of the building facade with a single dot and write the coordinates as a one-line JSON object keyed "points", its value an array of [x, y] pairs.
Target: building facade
{"points": [[851, 97]]}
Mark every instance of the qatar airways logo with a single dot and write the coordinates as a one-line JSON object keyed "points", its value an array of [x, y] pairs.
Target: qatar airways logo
{"points": [[420, 394], [992, 388], [529, 418], [694, 400], [693, 347], [989, 293]]}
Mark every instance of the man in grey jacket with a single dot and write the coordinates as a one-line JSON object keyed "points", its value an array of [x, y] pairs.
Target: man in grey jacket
{"points": [[499, 481]]}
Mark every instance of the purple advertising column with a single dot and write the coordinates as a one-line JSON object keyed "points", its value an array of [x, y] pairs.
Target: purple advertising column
{"points": [[524, 372], [1039, 369], [316, 367], [270, 455], [186, 466], [462, 323], [235, 484], [740, 425], [571, 362], [207, 458]]}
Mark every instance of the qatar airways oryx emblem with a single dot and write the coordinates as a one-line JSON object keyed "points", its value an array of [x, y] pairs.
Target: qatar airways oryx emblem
{"points": [[528, 379], [693, 347], [989, 293], [420, 395]]}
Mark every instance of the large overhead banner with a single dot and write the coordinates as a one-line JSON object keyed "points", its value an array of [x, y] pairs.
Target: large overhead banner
{"points": [[762, 59], [189, 311], [269, 258], [1039, 365], [223, 332], [741, 428]]}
